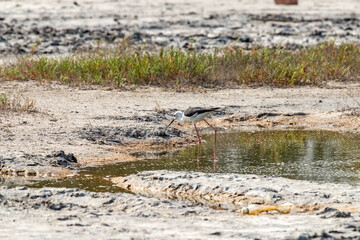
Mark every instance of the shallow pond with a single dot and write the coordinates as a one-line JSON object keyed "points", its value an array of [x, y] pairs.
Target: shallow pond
{"points": [[309, 155]]}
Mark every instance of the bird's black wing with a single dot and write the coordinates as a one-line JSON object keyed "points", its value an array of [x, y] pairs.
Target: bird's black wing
{"points": [[198, 110]]}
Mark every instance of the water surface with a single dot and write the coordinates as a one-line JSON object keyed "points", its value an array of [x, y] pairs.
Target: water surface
{"points": [[308, 155]]}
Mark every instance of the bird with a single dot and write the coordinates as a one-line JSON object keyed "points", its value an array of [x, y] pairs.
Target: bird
{"points": [[194, 115]]}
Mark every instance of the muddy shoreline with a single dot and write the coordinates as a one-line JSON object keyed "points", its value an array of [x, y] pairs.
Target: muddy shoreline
{"points": [[99, 126], [77, 126]]}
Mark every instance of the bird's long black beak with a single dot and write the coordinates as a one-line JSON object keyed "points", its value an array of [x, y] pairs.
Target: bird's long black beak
{"points": [[170, 123]]}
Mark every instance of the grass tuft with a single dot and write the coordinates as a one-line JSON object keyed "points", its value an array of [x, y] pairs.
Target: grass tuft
{"points": [[177, 68], [16, 104]]}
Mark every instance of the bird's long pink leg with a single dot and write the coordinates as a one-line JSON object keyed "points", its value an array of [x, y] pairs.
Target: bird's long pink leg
{"points": [[198, 158], [214, 139], [197, 133], [215, 166]]}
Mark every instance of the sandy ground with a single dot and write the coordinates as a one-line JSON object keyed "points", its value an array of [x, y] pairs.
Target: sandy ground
{"points": [[103, 124], [100, 126], [71, 213], [81, 126]]}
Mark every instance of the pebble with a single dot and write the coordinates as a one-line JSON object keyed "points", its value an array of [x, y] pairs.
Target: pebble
{"points": [[198, 31]]}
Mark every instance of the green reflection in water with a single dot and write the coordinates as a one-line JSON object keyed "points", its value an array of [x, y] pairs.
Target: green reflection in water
{"points": [[308, 155]]}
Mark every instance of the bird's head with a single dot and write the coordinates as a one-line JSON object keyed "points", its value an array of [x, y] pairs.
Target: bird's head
{"points": [[177, 115]]}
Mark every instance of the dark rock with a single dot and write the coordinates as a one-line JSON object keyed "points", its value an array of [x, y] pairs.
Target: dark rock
{"points": [[353, 227], [32, 164], [78, 194], [137, 36], [261, 115], [318, 33], [294, 114], [35, 31], [112, 200], [63, 218], [333, 212], [302, 237], [69, 157], [78, 225], [245, 39], [272, 17], [326, 236], [62, 159], [57, 207]]}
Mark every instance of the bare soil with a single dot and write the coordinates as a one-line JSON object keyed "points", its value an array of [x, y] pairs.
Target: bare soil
{"points": [[100, 126], [76, 126]]}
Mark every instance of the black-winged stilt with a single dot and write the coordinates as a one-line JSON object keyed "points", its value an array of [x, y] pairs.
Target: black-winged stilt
{"points": [[194, 115]]}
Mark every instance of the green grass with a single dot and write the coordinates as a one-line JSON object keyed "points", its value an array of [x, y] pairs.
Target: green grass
{"points": [[177, 68]]}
